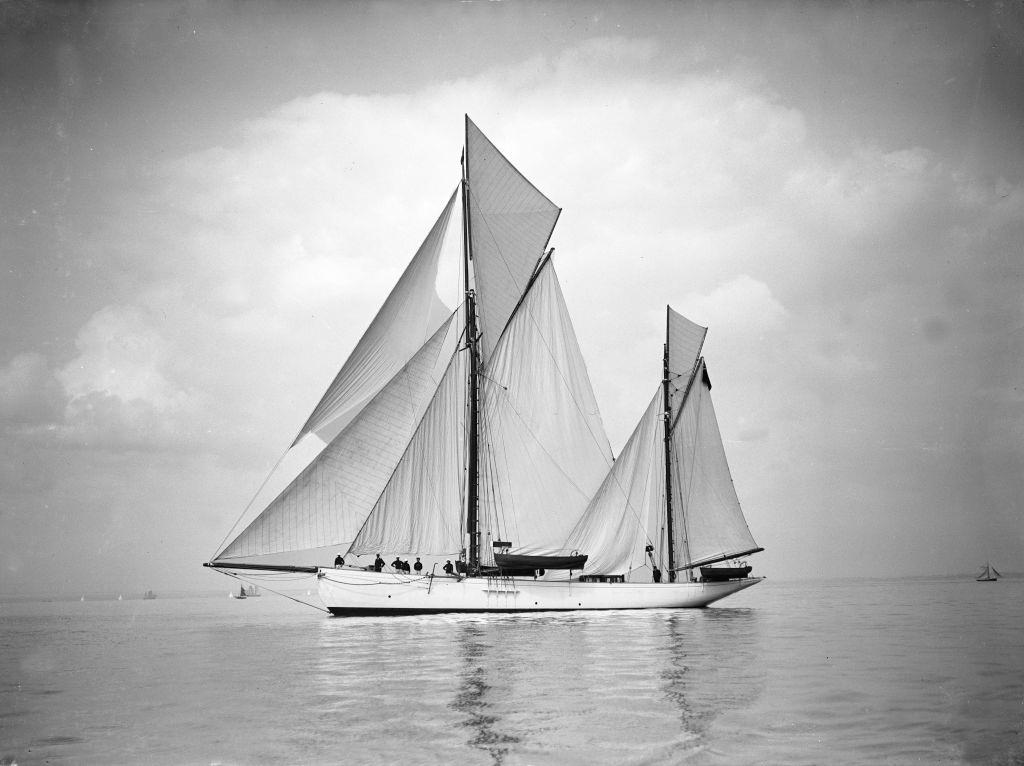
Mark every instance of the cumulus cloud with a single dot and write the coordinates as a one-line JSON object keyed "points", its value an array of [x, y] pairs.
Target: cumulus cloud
{"points": [[118, 390]]}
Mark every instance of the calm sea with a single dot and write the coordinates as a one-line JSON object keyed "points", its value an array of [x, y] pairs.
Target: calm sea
{"points": [[921, 671]]}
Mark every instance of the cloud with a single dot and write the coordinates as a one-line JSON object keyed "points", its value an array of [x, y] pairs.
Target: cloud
{"points": [[118, 389], [741, 306]]}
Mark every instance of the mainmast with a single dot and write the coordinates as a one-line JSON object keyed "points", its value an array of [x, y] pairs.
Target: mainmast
{"points": [[667, 419], [473, 381]]}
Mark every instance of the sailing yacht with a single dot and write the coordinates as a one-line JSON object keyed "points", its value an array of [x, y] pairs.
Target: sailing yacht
{"points": [[470, 433], [988, 573]]}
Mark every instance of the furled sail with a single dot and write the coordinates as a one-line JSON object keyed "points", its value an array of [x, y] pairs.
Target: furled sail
{"points": [[511, 224], [545, 448], [627, 510], [410, 315], [328, 502]]}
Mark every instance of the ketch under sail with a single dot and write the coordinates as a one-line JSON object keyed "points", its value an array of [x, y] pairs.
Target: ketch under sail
{"points": [[472, 433]]}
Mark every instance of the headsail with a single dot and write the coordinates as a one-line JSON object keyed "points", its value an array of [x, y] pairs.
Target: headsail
{"points": [[511, 223], [328, 502], [410, 315], [420, 508]]}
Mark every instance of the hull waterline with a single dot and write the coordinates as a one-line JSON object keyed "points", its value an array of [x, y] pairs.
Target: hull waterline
{"points": [[346, 592]]}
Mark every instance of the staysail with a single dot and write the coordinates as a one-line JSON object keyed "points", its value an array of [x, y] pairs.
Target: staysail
{"points": [[329, 501], [409, 316], [420, 508], [626, 512]]}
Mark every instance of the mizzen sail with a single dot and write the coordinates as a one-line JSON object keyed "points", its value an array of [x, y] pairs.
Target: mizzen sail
{"points": [[710, 524]]}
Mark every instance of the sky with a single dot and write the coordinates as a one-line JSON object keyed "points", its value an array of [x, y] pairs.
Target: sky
{"points": [[202, 206]]}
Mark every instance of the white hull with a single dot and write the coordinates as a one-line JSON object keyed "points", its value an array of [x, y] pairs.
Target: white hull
{"points": [[356, 591]]}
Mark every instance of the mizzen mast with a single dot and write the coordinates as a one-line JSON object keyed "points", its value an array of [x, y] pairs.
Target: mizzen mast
{"points": [[667, 421]]}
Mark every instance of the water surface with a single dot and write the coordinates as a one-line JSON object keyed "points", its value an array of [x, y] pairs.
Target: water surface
{"points": [[927, 671]]}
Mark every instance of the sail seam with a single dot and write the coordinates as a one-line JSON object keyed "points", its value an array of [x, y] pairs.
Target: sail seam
{"points": [[412, 439]]}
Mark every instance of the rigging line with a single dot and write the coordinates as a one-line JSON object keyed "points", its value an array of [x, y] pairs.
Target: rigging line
{"points": [[245, 510], [499, 505]]}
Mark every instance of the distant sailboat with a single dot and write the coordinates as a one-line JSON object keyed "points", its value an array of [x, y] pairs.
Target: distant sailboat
{"points": [[149, 595], [474, 435], [988, 573]]}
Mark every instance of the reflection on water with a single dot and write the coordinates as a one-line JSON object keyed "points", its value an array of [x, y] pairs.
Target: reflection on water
{"points": [[709, 666], [473, 697]]}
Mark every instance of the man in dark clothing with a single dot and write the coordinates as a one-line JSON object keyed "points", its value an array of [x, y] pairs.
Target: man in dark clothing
{"points": [[339, 562], [418, 566], [378, 563], [448, 568], [397, 564]]}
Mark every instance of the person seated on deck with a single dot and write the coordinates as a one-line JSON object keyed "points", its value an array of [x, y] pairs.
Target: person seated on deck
{"points": [[339, 562], [378, 563], [448, 568], [418, 566]]}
